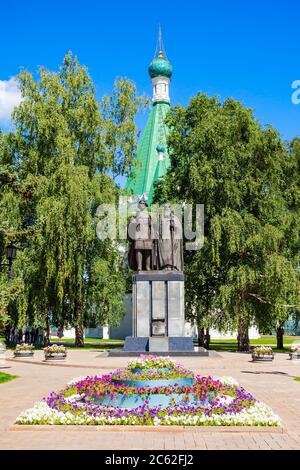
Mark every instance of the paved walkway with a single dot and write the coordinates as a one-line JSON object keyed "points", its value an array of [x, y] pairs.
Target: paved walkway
{"points": [[272, 383]]}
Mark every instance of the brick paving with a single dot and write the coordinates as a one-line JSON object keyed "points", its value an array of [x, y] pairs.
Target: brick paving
{"points": [[269, 382]]}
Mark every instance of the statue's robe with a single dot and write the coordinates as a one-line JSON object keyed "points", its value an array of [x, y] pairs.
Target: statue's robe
{"points": [[170, 247]]}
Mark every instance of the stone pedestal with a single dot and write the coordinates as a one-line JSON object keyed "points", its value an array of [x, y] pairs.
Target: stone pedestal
{"points": [[158, 313]]}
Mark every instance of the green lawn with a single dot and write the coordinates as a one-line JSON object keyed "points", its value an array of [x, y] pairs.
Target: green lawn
{"points": [[232, 347], [271, 340], [99, 346], [216, 344], [268, 340], [86, 340], [6, 377], [91, 343], [231, 344]]}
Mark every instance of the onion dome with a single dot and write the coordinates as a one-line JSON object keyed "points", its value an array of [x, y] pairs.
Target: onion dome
{"points": [[160, 148], [160, 67]]}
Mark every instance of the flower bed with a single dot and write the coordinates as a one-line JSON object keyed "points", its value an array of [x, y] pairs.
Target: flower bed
{"points": [[295, 355], [2, 352], [262, 353], [149, 378], [55, 352], [257, 415], [101, 400], [295, 351], [151, 362], [103, 389], [24, 350]]}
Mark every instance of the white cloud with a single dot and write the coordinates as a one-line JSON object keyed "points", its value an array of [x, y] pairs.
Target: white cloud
{"points": [[10, 96]]}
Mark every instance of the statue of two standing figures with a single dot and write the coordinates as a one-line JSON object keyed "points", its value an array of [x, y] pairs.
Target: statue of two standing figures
{"points": [[155, 240]]}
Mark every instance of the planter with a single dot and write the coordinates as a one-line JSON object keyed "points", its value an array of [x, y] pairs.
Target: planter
{"points": [[294, 355], [24, 353], [55, 356], [262, 357]]}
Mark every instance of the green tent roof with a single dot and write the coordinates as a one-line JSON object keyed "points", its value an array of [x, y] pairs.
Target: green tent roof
{"points": [[148, 168]]}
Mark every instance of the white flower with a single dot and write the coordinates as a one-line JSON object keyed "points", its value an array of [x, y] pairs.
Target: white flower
{"points": [[55, 348], [227, 380], [145, 362], [74, 398], [76, 380], [267, 350], [257, 415], [24, 347]]}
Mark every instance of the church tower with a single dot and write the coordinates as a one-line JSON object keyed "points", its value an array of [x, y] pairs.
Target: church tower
{"points": [[152, 155]]}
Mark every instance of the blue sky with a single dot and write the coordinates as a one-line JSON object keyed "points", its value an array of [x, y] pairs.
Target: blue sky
{"points": [[245, 49]]}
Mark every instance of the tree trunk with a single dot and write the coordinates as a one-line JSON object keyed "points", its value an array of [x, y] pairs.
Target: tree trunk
{"points": [[79, 329], [207, 338], [201, 336], [279, 335], [243, 336], [46, 339], [79, 336]]}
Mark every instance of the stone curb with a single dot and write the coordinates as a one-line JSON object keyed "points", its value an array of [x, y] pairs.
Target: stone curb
{"points": [[177, 429]]}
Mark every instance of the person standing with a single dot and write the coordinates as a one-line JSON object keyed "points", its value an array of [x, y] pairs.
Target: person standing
{"points": [[40, 335], [32, 335], [60, 332], [15, 335], [7, 333], [27, 334]]}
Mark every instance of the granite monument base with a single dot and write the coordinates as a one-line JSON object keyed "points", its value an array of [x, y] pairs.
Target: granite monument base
{"points": [[201, 352], [152, 344], [158, 313]]}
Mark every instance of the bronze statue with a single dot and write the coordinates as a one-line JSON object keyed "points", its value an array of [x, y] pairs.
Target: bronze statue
{"points": [[170, 249], [140, 228], [155, 242]]}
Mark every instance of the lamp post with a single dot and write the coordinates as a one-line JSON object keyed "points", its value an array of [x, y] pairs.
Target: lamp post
{"points": [[10, 253]]}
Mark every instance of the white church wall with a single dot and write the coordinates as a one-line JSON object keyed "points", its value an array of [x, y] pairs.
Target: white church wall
{"points": [[125, 328], [70, 333], [94, 332], [215, 334]]}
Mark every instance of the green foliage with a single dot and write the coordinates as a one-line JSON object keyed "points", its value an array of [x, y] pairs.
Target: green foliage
{"points": [[57, 167], [120, 136], [246, 178]]}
